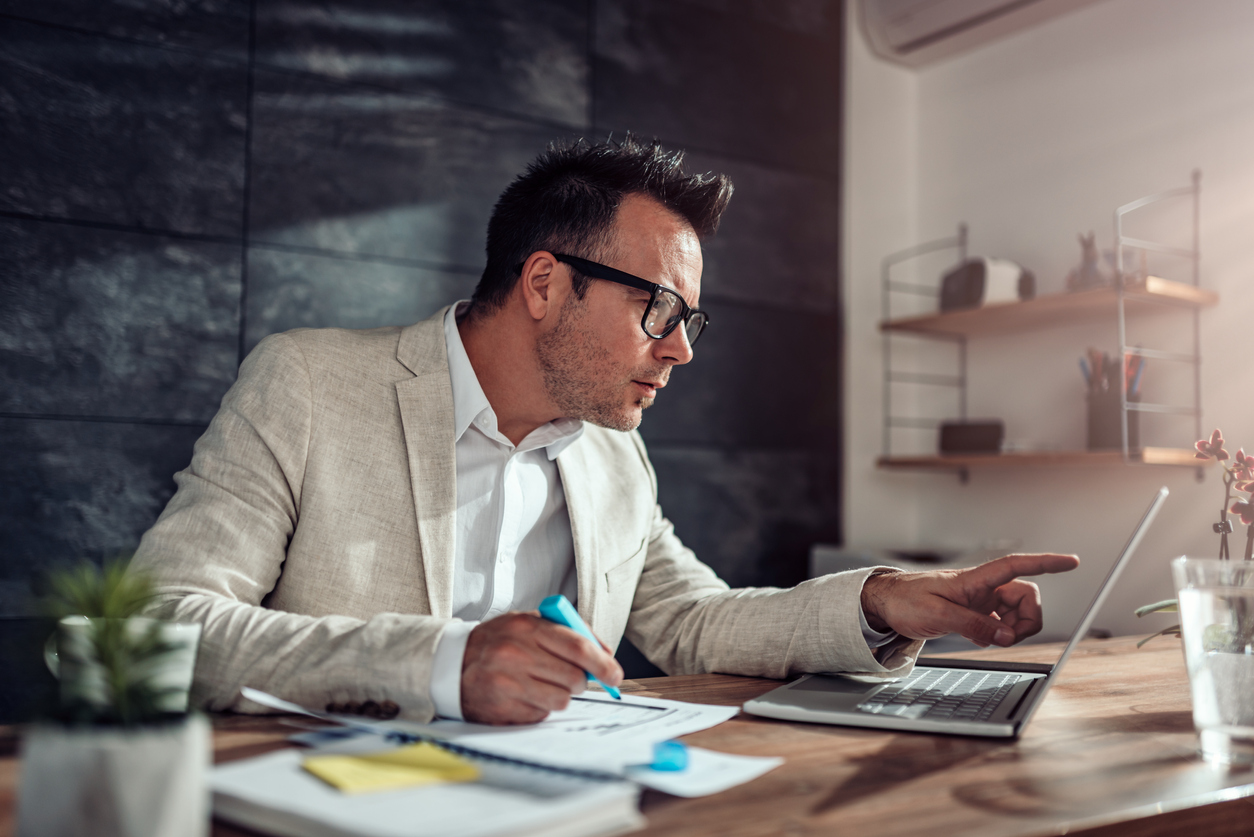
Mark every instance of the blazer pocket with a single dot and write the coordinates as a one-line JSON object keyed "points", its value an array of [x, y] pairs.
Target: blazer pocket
{"points": [[620, 591], [628, 569]]}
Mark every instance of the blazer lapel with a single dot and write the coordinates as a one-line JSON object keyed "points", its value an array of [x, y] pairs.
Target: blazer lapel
{"points": [[573, 468], [426, 406]]}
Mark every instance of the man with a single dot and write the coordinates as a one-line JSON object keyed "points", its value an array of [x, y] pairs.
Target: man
{"points": [[370, 518]]}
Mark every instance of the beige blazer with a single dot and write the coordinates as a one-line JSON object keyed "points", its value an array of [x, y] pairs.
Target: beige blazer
{"points": [[312, 536]]}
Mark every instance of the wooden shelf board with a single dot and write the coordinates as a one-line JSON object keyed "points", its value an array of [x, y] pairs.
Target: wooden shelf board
{"points": [[1180, 457], [1054, 309]]}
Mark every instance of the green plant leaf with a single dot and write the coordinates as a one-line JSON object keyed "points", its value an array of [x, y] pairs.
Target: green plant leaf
{"points": [[1165, 606], [111, 592], [1219, 637], [1174, 630]]}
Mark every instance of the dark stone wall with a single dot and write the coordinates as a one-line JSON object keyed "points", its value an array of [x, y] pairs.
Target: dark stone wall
{"points": [[179, 179]]}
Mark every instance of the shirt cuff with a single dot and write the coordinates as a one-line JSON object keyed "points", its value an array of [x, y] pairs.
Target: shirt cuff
{"points": [[874, 639], [446, 669]]}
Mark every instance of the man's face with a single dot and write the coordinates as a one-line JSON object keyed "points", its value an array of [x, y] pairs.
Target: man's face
{"points": [[598, 364]]}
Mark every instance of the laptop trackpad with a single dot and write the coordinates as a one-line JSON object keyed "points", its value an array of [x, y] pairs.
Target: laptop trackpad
{"points": [[828, 692], [837, 684]]}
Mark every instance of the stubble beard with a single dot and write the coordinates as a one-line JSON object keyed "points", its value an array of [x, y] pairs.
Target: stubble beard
{"points": [[580, 375]]}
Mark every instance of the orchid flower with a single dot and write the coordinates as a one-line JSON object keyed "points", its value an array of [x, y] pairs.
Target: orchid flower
{"points": [[1246, 510], [1212, 448]]}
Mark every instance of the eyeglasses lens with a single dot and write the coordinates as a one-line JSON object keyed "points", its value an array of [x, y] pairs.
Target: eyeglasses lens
{"points": [[694, 326], [665, 314], [662, 312]]}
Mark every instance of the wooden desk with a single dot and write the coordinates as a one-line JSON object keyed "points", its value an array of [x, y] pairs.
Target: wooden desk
{"points": [[1111, 752]]}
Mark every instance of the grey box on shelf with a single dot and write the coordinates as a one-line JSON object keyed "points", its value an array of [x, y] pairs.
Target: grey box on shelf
{"points": [[972, 436]]}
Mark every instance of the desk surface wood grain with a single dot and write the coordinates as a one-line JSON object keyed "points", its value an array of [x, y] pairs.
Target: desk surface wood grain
{"points": [[1112, 751]]}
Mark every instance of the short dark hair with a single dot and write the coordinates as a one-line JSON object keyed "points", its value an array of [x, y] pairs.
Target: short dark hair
{"points": [[567, 200]]}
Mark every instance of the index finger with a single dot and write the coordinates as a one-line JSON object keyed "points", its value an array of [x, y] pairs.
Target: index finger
{"points": [[999, 571], [571, 647]]}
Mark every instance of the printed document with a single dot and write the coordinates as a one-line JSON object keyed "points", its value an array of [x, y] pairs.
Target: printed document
{"points": [[595, 732]]}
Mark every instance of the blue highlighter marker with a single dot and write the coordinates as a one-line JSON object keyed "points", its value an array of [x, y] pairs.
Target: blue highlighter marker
{"points": [[558, 609]]}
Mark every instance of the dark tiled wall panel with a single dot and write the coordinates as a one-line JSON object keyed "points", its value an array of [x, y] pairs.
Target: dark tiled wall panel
{"points": [[529, 58], [97, 129], [361, 170], [176, 222], [71, 490], [778, 241], [213, 25], [761, 377], [102, 323], [804, 16], [750, 515], [718, 81], [27, 686], [303, 290]]}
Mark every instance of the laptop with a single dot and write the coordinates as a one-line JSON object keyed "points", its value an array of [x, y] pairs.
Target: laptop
{"points": [[959, 697]]}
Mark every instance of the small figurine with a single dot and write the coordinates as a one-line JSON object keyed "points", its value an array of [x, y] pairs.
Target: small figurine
{"points": [[1094, 271]]}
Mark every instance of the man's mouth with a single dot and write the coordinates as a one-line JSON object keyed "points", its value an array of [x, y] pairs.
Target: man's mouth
{"points": [[650, 388]]}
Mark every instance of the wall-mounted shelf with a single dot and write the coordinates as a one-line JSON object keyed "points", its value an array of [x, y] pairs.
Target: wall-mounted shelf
{"points": [[1180, 457], [1126, 294], [1056, 309]]}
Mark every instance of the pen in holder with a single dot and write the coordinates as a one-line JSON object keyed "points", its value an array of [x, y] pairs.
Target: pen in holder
{"points": [[1102, 378]]}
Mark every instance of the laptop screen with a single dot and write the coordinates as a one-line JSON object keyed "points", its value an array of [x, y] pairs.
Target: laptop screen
{"points": [[1086, 621]]}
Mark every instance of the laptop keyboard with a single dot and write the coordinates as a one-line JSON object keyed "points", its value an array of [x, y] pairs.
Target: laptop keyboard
{"points": [[941, 694]]}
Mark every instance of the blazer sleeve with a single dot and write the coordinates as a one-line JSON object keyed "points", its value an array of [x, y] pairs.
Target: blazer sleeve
{"points": [[687, 620], [218, 549]]}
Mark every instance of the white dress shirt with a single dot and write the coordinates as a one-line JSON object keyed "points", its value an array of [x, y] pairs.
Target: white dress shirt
{"points": [[513, 544]]}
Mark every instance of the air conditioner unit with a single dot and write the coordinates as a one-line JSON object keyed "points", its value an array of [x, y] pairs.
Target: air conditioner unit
{"points": [[916, 32]]}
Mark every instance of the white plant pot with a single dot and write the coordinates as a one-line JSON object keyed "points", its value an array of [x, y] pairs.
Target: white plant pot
{"points": [[71, 658], [113, 782]]}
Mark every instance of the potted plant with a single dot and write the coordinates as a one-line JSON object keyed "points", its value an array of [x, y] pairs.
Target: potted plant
{"points": [[1239, 477], [1216, 606], [120, 754]]}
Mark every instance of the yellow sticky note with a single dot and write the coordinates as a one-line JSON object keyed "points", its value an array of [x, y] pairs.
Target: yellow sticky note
{"points": [[409, 766]]}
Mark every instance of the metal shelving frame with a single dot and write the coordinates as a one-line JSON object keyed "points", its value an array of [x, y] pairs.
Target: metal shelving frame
{"points": [[1194, 255], [889, 287]]}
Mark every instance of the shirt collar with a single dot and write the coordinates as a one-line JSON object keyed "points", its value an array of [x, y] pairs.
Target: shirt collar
{"points": [[470, 405]]}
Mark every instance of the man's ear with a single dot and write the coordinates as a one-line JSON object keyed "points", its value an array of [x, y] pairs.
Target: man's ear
{"points": [[541, 285]]}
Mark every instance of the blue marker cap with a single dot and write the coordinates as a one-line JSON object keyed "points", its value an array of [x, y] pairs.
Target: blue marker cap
{"points": [[559, 609], [670, 756]]}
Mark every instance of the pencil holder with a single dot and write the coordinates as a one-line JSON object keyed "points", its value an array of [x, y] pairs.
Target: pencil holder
{"points": [[1105, 432]]}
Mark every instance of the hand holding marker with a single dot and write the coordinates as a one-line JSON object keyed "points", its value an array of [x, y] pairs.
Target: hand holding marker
{"points": [[558, 609], [667, 755]]}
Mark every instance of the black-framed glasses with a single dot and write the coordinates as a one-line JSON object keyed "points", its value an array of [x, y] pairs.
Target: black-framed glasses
{"points": [[666, 310]]}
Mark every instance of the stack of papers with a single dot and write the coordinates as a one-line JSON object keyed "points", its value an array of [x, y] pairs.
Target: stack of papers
{"points": [[578, 772], [273, 794]]}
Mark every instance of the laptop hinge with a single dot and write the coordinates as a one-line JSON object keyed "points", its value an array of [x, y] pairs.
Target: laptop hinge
{"points": [[985, 665], [1033, 687]]}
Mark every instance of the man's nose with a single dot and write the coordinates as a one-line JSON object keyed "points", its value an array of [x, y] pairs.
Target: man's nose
{"points": [[674, 348]]}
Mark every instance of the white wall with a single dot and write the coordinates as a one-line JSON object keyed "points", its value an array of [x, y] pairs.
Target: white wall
{"points": [[880, 197], [1031, 140]]}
